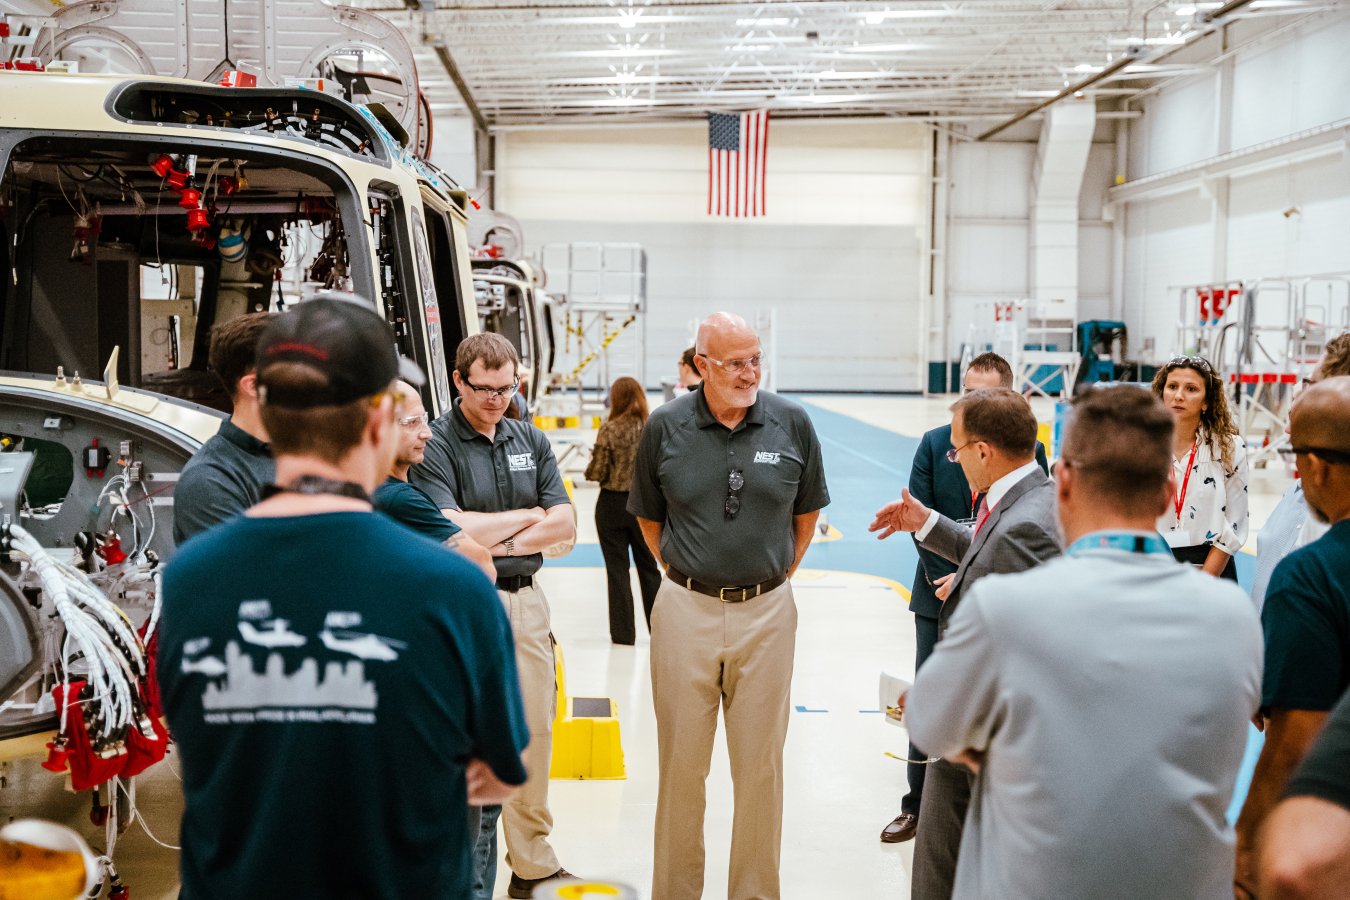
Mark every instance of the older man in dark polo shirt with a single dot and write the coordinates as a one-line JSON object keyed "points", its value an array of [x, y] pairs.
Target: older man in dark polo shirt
{"points": [[226, 476], [497, 479], [727, 487]]}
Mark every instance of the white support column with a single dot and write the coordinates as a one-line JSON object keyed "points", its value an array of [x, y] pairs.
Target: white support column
{"points": [[937, 339], [1061, 159]]}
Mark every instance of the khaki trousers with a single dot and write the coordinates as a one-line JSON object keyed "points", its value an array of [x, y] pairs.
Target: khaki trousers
{"points": [[706, 654], [526, 821]]}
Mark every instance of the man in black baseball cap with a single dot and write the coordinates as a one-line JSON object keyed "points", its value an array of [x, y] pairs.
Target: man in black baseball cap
{"points": [[335, 682]]}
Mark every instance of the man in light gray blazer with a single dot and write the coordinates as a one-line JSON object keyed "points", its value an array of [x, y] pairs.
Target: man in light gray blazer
{"points": [[1015, 528], [1103, 697]]}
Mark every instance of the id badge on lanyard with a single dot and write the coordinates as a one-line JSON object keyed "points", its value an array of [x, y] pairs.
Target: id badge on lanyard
{"points": [[1182, 538]]}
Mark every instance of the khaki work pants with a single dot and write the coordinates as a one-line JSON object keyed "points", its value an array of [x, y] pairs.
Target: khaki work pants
{"points": [[706, 654], [526, 821]]}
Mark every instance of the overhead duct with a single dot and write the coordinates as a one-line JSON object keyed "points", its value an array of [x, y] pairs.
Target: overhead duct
{"points": [[1061, 160]]}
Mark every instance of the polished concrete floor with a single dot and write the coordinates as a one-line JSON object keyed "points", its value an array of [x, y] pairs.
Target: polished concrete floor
{"points": [[841, 787]]}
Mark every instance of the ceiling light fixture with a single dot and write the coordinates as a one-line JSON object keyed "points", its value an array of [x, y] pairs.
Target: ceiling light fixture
{"points": [[762, 23], [1185, 10]]}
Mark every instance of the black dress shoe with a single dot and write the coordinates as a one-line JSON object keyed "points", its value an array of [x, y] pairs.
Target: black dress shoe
{"points": [[900, 830], [523, 888]]}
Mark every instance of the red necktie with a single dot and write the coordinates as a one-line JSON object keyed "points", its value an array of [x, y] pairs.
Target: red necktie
{"points": [[982, 513]]}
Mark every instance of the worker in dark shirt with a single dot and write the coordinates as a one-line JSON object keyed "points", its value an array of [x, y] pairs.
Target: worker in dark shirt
{"points": [[331, 738], [408, 504], [1306, 616], [498, 479], [1305, 854], [226, 476]]}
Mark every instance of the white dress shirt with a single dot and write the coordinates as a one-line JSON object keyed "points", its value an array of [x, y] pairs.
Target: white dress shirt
{"points": [[996, 492], [1214, 510]]}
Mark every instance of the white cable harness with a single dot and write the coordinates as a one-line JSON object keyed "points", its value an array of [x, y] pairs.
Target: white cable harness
{"points": [[102, 635]]}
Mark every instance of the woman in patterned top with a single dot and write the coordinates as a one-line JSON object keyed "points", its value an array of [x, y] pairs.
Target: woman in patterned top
{"points": [[1206, 523], [612, 466]]}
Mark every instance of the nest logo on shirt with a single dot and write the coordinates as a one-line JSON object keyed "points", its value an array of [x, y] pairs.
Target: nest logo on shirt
{"points": [[764, 456], [520, 462]]}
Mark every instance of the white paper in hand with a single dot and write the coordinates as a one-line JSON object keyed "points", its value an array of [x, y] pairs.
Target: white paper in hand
{"points": [[888, 693]]}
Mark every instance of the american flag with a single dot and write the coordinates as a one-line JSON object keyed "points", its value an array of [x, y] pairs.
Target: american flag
{"points": [[738, 148]]}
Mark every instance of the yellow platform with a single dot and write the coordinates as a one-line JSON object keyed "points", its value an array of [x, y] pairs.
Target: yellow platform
{"points": [[586, 741], [552, 423]]}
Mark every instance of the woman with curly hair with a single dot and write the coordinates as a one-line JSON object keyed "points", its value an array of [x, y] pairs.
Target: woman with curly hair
{"points": [[1206, 523]]}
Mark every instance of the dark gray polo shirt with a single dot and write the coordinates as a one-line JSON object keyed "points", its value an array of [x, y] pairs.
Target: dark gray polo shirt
{"points": [[223, 478], [516, 470], [680, 479]]}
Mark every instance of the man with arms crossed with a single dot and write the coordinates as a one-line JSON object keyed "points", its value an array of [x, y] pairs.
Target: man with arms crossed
{"points": [[322, 726], [1306, 616], [497, 479], [939, 483], [1102, 697], [408, 504], [727, 486], [994, 440], [226, 476]]}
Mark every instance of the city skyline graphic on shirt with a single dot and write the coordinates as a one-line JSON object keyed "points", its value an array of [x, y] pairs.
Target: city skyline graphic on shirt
{"points": [[344, 685]]}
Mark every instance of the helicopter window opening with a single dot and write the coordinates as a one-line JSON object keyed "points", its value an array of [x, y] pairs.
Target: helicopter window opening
{"points": [[52, 474], [99, 254], [436, 350], [291, 113], [169, 303], [501, 309], [389, 246]]}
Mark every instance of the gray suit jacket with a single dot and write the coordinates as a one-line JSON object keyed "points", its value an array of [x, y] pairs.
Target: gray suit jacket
{"points": [[1021, 532]]}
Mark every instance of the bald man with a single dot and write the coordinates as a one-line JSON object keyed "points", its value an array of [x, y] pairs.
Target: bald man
{"points": [[727, 487], [1306, 617]]}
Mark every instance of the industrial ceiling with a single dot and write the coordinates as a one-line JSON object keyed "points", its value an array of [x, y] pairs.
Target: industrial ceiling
{"points": [[559, 61]]}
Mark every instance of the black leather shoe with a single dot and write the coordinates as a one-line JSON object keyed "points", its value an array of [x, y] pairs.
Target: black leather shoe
{"points": [[900, 830], [523, 888]]}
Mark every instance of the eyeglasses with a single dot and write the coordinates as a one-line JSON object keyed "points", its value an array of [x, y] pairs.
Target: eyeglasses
{"points": [[955, 451], [737, 366], [735, 481], [485, 392], [1198, 362], [415, 421], [1336, 457]]}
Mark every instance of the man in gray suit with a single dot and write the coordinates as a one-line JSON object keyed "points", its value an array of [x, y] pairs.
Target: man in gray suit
{"points": [[1103, 698], [1016, 528]]}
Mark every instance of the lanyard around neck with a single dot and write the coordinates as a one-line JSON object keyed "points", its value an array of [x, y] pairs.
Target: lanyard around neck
{"points": [[1186, 482], [1129, 541]]}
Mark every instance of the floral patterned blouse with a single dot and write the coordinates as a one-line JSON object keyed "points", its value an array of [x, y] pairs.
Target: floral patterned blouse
{"points": [[1214, 509], [615, 451]]}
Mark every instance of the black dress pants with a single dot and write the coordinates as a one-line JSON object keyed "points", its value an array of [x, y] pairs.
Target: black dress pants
{"points": [[618, 530]]}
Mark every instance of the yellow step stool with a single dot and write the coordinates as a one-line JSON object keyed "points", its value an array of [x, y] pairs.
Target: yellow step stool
{"points": [[586, 742]]}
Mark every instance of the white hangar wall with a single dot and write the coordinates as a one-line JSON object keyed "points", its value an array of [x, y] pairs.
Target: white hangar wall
{"points": [[837, 255], [1244, 143], [990, 221]]}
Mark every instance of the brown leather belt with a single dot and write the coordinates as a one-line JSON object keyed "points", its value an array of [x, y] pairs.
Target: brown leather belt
{"points": [[725, 594]]}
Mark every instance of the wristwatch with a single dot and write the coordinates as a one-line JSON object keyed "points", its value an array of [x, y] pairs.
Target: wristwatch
{"points": [[510, 545]]}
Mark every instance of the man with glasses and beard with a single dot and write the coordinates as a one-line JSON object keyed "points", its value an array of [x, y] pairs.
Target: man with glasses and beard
{"points": [[727, 486], [497, 479]]}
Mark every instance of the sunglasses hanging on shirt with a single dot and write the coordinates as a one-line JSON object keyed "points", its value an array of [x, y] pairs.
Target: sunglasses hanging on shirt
{"points": [[735, 481]]}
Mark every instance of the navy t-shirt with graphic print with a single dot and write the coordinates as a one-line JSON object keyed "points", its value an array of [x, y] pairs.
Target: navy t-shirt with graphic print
{"points": [[328, 678]]}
